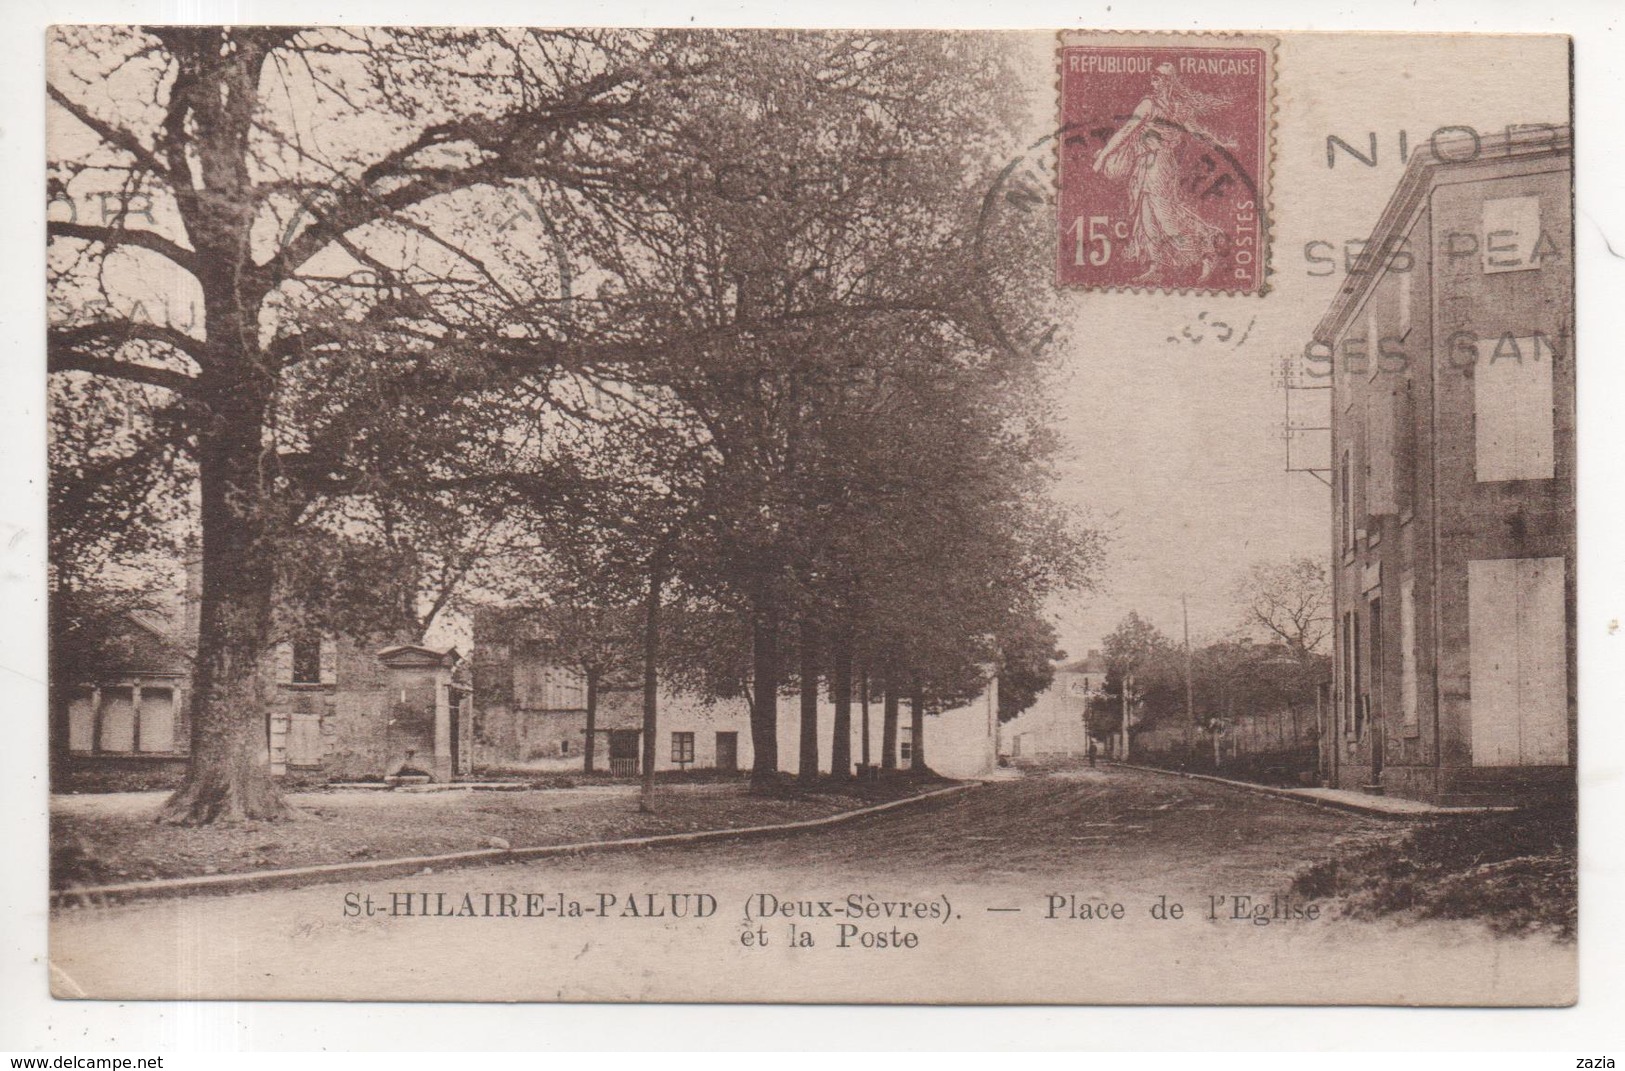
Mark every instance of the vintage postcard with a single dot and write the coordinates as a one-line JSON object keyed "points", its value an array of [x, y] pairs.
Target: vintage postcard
{"points": [[708, 515]]}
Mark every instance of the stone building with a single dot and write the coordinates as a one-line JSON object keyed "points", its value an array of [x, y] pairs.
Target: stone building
{"points": [[532, 710], [133, 704], [1057, 724], [1452, 381], [335, 706]]}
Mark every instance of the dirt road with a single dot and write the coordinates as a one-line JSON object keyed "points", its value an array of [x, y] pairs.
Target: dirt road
{"points": [[1075, 886]]}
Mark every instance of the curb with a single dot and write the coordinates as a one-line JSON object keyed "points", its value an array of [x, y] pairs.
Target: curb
{"points": [[1314, 801], [378, 868]]}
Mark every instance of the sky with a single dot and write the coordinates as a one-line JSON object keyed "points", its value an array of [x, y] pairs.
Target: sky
{"points": [[1177, 444]]}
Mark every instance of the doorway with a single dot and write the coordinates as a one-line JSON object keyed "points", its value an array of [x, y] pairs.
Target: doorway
{"points": [[728, 752], [623, 752], [1374, 698]]}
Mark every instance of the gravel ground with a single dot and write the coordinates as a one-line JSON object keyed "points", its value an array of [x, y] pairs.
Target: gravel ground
{"points": [[112, 837]]}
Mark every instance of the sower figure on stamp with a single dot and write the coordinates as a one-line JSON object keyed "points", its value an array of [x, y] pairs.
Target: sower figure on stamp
{"points": [[1168, 231]]}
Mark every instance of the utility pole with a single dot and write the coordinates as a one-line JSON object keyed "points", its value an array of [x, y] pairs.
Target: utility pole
{"points": [[1128, 685], [1190, 691], [651, 673]]}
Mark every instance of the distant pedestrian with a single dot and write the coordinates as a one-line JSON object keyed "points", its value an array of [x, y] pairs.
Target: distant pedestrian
{"points": [[1091, 752]]}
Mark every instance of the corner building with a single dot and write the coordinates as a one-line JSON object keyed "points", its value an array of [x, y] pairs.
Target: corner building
{"points": [[1451, 357]]}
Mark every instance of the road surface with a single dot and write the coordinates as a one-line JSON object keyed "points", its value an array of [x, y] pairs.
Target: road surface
{"points": [[1090, 886]]}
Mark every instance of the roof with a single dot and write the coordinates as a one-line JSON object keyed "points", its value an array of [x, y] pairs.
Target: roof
{"points": [[137, 644], [1089, 663], [1533, 143]]}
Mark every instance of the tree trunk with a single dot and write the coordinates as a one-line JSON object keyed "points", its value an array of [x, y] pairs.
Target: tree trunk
{"points": [[916, 728], [840, 747], [216, 96], [589, 744], [764, 708], [651, 677], [807, 767], [888, 728], [228, 778], [865, 701]]}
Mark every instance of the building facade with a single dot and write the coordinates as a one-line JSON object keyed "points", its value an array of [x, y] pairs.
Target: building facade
{"points": [[132, 705], [532, 711], [1057, 724], [335, 706], [347, 709], [1451, 364]]}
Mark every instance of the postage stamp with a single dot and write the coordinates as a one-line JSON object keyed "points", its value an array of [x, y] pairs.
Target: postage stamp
{"points": [[1163, 169]]}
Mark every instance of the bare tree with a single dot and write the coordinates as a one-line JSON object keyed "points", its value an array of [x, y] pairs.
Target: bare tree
{"points": [[1289, 601]]}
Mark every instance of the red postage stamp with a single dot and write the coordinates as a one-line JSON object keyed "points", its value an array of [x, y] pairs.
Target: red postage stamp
{"points": [[1163, 169]]}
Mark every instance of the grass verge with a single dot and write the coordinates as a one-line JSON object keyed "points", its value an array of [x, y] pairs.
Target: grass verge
{"points": [[111, 839], [1516, 871]]}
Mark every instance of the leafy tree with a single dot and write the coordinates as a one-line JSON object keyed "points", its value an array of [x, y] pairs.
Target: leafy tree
{"points": [[744, 355], [811, 278], [1147, 667], [112, 505], [1028, 653], [268, 233]]}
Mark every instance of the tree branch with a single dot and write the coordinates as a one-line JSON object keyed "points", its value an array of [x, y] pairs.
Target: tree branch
{"points": [[509, 144], [74, 349], [112, 237], [116, 137]]}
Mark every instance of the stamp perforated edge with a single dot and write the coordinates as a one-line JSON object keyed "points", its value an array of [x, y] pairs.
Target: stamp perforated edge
{"points": [[1271, 44]]}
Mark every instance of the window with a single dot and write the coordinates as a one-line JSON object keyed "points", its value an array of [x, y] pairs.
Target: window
{"points": [[1353, 655], [1512, 409], [1346, 682], [564, 747], [1345, 498], [307, 660], [1359, 681], [1405, 463], [905, 746], [303, 743], [155, 720], [122, 720], [1382, 458], [82, 721], [118, 719], [1407, 654], [1403, 286], [1375, 654], [682, 749]]}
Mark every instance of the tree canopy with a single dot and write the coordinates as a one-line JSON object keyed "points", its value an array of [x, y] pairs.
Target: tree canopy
{"points": [[398, 318]]}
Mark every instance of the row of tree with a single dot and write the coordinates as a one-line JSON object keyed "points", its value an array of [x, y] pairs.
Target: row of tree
{"points": [[1274, 660], [707, 326]]}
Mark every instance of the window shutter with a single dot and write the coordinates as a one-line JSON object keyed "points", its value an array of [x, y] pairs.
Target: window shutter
{"points": [[329, 660], [1512, 410], [1379, 437]]}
